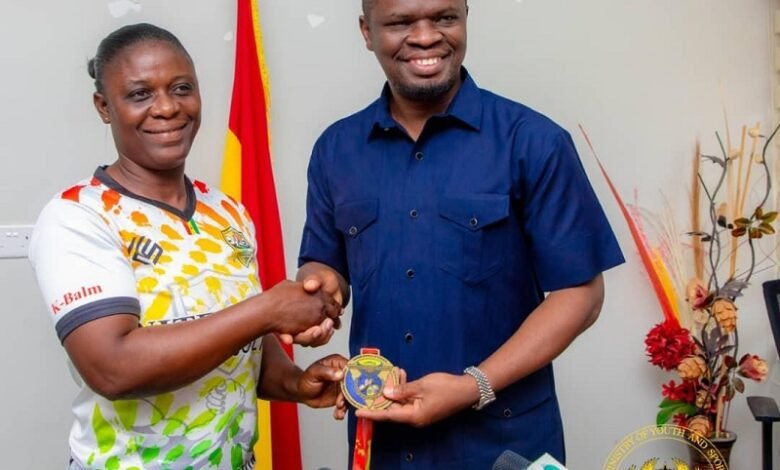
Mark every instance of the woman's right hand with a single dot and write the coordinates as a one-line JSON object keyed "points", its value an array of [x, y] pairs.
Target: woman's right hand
{"points": [[294, 310]]}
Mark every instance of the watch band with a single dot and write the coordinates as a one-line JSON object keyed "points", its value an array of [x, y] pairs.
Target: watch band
{"points": [[486, 393]]}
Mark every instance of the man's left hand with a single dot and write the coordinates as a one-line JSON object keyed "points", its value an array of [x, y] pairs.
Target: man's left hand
{"points": [[427, 400]]}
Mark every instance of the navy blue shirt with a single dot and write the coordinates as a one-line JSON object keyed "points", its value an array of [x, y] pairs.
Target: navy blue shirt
{"points": [[449, 243]]}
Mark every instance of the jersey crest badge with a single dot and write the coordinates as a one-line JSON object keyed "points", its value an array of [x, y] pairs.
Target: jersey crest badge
{"points": [[242, 249]]}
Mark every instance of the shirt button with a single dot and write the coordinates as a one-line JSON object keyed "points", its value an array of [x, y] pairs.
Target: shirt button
{"points": [[473, 222], [386, 129], [408, 337], [507, 413], [410, 273], [418, 156], [413, 213], [409, 457], [353, 230]]}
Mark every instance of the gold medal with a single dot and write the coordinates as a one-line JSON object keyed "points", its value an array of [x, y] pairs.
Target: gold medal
{"points": [[365, 379]]}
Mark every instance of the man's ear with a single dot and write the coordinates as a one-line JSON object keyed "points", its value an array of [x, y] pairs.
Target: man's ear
{"points": [[366, 32], [101, 105]]}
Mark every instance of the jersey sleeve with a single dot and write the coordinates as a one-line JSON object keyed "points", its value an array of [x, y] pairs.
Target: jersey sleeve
{"points": [[81, 267]]}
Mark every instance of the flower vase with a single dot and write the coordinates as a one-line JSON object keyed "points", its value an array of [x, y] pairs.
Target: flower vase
{"points": [[723, 443]]}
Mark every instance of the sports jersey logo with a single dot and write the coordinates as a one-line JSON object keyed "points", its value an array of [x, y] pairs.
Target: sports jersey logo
{"points": [[70, 297], [242, 249], [144, 250]]}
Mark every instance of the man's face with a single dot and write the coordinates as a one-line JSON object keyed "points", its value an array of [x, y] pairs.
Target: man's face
{"points": [[420, 44]]}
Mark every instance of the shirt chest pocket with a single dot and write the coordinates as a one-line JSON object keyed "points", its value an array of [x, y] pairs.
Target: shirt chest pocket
{"points": [[472, 238], [356, 221]]}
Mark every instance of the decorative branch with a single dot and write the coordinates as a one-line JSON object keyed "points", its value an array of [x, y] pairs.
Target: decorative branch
{"points": [[698, 250]]}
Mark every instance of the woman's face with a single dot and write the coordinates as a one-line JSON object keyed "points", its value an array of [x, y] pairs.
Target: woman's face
{"points": [[150, 96]]}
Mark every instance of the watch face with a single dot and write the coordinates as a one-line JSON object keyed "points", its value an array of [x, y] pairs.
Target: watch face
{"points": [[365, 379], [483, 402]]}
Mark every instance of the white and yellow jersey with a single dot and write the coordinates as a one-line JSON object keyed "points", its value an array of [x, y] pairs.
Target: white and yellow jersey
{"points": [[99, 250]]}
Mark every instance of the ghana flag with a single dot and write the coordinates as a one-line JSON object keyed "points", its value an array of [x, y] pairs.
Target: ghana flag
{"points": [[247, 176]]}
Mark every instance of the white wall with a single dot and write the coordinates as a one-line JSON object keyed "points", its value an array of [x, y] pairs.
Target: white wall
{"points": [[644, 76]]}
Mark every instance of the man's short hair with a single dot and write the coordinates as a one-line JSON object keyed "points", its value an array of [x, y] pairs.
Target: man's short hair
{"points": [[368, 5]]}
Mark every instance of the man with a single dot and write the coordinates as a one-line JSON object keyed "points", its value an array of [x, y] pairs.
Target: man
{"points": [[450, 211]]}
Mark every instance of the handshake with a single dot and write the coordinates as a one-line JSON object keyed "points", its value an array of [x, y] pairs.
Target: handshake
{"points": [[307, 312]]}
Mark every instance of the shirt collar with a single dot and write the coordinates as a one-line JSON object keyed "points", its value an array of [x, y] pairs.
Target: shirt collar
{"points": [[102, 175], [466, 107]]}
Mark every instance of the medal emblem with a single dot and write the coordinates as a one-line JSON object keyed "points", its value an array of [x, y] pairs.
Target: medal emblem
{"points": [[365, 380]]}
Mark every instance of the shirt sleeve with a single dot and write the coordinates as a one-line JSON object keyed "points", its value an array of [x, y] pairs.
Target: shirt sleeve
{"points": [[81, 268], [321, 241], [570, 237]]}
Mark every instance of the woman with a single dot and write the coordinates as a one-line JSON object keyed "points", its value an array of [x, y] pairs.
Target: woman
{"points": [[153, 285]]}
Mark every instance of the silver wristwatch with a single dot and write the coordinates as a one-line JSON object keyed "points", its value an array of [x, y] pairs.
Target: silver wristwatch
{"points": [[486, 393]]}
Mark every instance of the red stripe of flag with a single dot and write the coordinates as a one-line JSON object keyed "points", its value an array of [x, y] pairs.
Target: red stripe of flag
{"points": [[249, 122]]}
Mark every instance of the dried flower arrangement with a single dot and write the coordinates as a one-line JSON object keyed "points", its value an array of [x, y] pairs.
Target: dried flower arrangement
{"points": [[698, 338]]}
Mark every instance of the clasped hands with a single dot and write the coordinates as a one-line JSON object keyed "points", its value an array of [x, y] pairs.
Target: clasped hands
{"points": [[326, 284]]}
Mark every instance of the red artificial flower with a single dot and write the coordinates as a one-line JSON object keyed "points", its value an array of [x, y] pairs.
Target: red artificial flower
{"points": [[686, 391], [680, 419], [753, 367], [667, 344]]}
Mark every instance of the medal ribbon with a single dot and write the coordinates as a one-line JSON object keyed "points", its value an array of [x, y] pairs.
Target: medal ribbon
{"points": [[364, 434]]}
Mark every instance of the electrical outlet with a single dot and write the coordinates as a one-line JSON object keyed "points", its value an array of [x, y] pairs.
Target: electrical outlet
{"points": [[14, 240]]}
